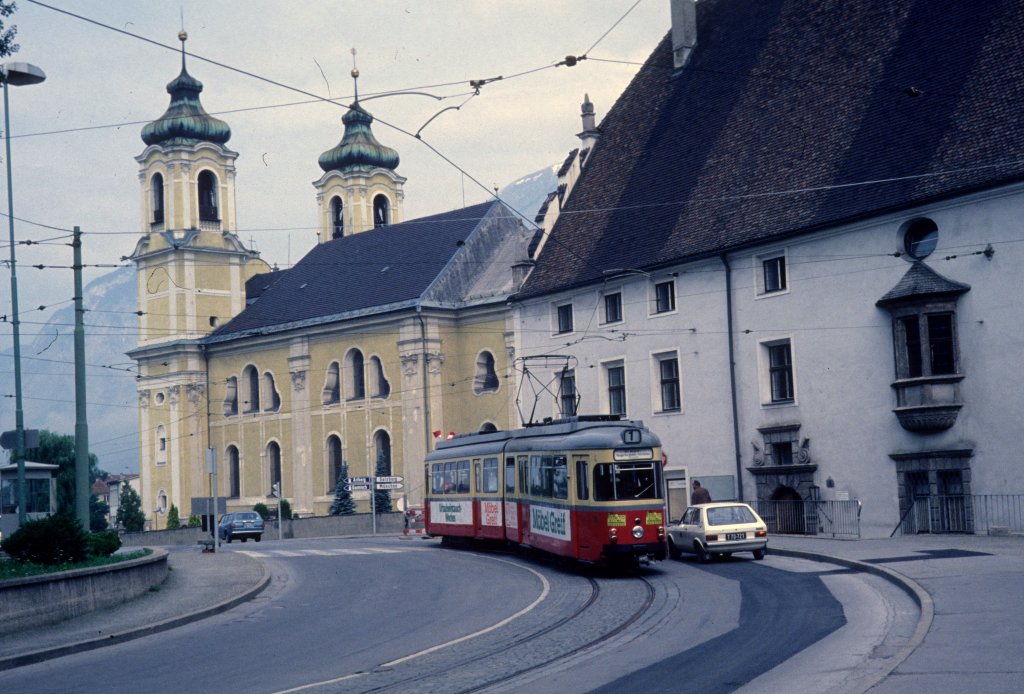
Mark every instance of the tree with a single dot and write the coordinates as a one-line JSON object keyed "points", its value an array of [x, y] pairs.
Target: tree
{"points": [[7, 45], [129, 513], [98, 511], [59, 450], [343, 504], [381, 497], [284, 509], [173, 522]]}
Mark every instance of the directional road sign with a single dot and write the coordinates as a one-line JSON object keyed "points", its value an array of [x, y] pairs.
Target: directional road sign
{"points": [[357, 487], [389, 485], [358, 480], [381, 480]]}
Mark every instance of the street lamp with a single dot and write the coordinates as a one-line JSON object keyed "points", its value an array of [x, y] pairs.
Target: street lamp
{"points": [[18, 74]]}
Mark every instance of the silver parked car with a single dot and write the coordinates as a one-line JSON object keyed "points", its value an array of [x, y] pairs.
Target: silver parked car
{"points": [[718, 529]]}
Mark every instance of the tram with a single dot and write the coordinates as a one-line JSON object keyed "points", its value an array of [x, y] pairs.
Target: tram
{"points": [[587, 487]]}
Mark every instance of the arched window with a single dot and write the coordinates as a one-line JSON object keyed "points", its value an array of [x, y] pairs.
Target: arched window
{"points": [[161, 501], [156, 190], [234, 481], [333, 462], [273, 398], [487, 428], [379, 386], [382, 453], [274, 463], [486, 380], [381, 211], [231, 397], [207, 185], [161, 445], [331, 393], [250, 389], [356, 382], [337, 218]]}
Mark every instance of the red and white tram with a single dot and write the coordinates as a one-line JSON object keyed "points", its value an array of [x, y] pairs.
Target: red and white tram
{"points": [[587, 487]]}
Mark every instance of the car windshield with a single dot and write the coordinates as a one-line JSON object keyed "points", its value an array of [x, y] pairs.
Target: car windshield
{"points": [[730, 515]]}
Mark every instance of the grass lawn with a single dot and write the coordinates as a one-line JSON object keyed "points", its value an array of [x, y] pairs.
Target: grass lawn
{"points": [[9, 568]]}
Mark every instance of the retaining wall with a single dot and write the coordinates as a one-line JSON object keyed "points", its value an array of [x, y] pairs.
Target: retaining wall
{"points": [[51, 598]]}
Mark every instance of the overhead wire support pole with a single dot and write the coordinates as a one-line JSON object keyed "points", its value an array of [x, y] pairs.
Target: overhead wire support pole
{"points": [[82, 490]]}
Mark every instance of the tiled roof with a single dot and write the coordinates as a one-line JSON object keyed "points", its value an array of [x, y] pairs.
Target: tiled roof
{"points": [[921, 281], [793, 116], [373, 271]]}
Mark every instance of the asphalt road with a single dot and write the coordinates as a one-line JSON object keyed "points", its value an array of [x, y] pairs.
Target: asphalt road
{"points": [[360, 614]]}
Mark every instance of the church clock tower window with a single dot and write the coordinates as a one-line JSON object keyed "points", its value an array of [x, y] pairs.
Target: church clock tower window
{"points": [[157, 191], [381, 212], [337, 218], [208, 196]]}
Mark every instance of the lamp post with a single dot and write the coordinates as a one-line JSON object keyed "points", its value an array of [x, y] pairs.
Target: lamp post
{"points": [[18, 74]]}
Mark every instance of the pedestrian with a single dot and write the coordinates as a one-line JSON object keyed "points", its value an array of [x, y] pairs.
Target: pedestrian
{"points": [[700, 495]]}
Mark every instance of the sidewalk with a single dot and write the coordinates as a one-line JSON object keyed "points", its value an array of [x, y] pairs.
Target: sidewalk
{"points": [[198, 585], [973, 593]]}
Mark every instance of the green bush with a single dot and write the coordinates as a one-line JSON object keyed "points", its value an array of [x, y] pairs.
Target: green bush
{"points": [[58, 539], [261, 508], [173, 521], [103, 544], [194, 522], [286, 509]]}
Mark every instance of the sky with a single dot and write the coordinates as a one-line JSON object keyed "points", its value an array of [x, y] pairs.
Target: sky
{"points": [[74, 137]]}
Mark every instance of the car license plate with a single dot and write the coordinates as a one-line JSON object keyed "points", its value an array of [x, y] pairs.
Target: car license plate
{"points": [[735, 536]]}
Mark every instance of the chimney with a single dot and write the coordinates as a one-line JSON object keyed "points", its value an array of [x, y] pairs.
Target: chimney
{"points": [[684, 31], [590, 133]]}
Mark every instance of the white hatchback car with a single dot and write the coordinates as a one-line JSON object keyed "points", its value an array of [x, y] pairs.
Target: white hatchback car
{"points": [[718, 529]]}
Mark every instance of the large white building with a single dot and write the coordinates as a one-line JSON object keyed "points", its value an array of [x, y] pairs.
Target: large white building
{"points": [[794, 253]]}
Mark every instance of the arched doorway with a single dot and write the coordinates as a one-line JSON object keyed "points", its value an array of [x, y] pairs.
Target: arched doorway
{"points": [[789, 510]]}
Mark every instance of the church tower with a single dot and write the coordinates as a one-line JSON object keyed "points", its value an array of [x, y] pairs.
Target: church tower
{"points": [[359, 189], [191, 275]]}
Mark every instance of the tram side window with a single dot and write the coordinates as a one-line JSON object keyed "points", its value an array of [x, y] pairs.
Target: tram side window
{"points": [[582, 492], [625, 481], [437, 478], [560, 482], [490, 475], [463, 470], [524, 474], [450, 476], [479, 480], [510, 475]]}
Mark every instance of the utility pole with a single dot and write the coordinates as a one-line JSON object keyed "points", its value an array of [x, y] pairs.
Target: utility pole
{"points": [[82, 490]]}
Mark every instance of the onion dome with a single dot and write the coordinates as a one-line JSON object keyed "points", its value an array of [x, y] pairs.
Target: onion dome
{"points": [[358, 147], [185, 121]]}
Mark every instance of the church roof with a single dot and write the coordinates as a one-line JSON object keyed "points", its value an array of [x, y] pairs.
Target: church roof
{"points": [[451, 259], [358, 146], [792, 117], [185, 121]]}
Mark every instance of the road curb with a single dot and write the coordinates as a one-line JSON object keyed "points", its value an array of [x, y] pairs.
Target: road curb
{"points": [[121, 637], [908, 585]]}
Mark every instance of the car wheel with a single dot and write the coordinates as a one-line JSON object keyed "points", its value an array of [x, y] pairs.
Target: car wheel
{"points": [[228, 536], [673, 551], [759, 554], [702, 553], [258, 538], [245, 539]]}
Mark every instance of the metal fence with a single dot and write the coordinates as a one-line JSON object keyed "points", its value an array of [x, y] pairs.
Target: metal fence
{"points": [[808, 517], [980, 513]]}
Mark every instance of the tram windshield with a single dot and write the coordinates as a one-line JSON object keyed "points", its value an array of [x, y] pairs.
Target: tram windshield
{"points": [[626, 481]]}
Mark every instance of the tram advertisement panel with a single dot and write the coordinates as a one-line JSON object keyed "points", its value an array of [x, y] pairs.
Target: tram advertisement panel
{"points": [[511, 515], [452, 512], [490, 513], [550, 522]]}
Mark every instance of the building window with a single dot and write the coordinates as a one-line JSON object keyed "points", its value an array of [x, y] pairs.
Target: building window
{"points": [[37, 499], [231, 397], [668, 380], [331, 394], [568, 397], [382, 453], [920, 238], [564, 318], [156, 187], [207, 185], [274, 464], [251, 386], [486, 380], [613, 307], [926, 345], [780, 371], [665, 297], [161, 445], [333, 462], [773, 271], [381, 211], [273, 403], [379, 385], [234, 473], [356, 382], [615, 376], [337, 218]]}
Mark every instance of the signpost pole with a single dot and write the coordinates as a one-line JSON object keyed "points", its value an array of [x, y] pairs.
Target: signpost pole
{"points": [[373, 502]]}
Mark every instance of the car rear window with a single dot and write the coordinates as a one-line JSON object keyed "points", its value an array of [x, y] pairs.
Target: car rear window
{"points": [[730, 515], [247, 516]]}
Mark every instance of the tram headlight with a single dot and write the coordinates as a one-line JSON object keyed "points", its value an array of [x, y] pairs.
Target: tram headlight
{"points": [[638, 531], [613, 535]]}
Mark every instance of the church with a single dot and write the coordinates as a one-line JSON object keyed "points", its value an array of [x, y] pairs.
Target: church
{"points": [[388, 333]]}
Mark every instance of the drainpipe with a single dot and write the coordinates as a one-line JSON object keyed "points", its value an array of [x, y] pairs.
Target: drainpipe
{"points": [[732, 377]]}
